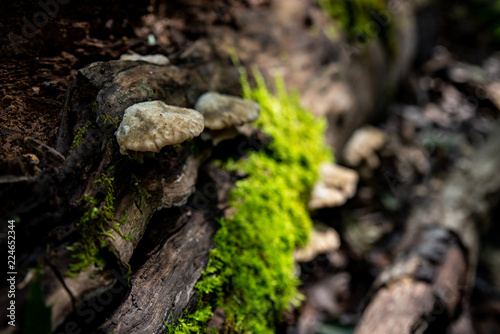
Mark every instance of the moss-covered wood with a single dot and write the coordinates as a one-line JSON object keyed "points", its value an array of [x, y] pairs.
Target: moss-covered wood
{"points": [[250, 273]]}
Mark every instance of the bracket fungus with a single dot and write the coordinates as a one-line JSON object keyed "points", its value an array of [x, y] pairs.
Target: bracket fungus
{"points": [[223, 113], [363, 145], [323, 240], [152, 59], [149, 126], [336, 185]]}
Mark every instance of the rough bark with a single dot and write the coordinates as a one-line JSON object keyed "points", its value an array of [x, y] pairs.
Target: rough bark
{"points": [[168, 276], [49, 205], [427, 287], [53, 200], [337, 80]]}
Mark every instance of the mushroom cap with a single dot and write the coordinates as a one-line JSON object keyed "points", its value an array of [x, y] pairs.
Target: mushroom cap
{"points": [[323, 240], [336, 185], [153, 59], [363, 145], [222, 111], [149, 126]]}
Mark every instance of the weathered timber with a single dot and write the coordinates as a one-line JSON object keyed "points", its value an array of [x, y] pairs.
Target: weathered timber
{"points": [[427, 287], [163, 286], [93, 173]]}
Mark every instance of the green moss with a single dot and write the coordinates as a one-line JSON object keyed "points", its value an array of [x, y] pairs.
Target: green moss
{"points": [[191, 323], [352, 15], [79, 136], [95, 225], [108, 118], [148, 92], [95, 106], [250, 271], [362, 20]]}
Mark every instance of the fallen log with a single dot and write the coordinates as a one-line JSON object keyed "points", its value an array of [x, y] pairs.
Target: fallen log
{"points": [[427, 287], [163, 286], [82, 219], [58, 198]]}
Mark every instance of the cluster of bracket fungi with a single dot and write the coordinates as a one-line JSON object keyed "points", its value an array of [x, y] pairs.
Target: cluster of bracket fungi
{"points": [[147, 127]]}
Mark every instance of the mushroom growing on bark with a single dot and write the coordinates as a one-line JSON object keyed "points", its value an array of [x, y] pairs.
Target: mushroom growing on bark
{"points": [[323, 240], [336, 185], [149, 126], [152, 59], [363, 145], [223, 113]]}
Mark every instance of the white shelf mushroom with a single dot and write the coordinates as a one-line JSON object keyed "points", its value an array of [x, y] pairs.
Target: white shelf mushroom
{"points": [[149, 126], [336, 185], [223, 113], [152, 59]]}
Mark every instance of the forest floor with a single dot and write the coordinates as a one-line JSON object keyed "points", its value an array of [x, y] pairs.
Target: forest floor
{"points": [[443, 111]]}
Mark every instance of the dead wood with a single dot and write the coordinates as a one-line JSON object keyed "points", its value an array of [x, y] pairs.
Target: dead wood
{"points": [[58, 198], [427, 287], [51, 204]]}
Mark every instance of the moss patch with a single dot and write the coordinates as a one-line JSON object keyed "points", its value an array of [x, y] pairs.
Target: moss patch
{"points": [[352, 15], [250, 271], [362, 20], [79, 136], [96, 224], [191, 323]]}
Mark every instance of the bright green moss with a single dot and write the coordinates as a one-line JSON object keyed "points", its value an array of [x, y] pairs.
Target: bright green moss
{"points": [[363, 20], [96, 223], [250, 272], [79, 136], [353, 15], [191, 323]]}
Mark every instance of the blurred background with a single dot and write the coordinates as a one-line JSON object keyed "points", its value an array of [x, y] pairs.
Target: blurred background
{"points": [[410, 90]]}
